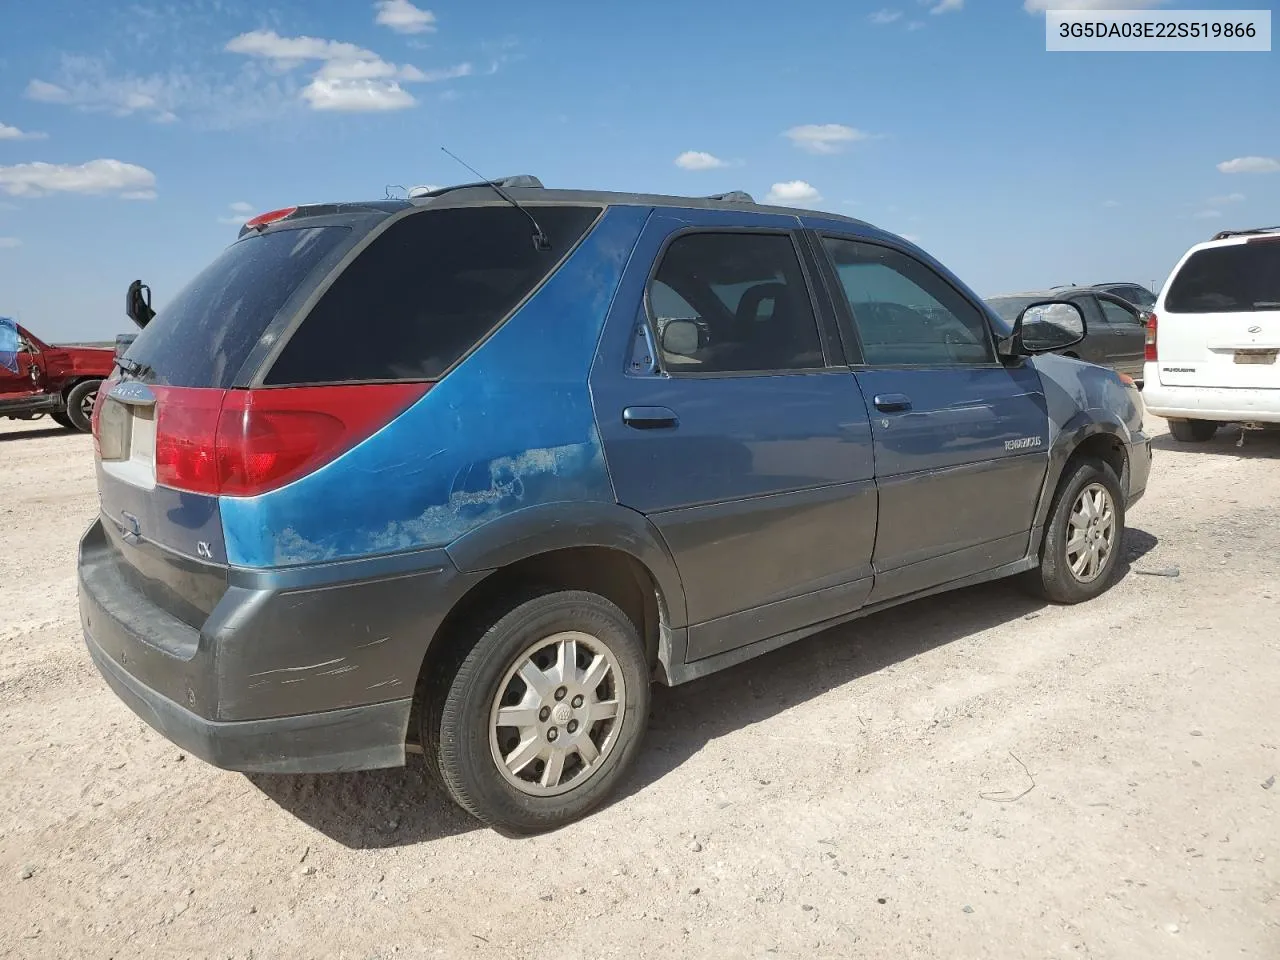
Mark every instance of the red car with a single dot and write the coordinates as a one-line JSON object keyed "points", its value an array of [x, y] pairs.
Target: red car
{"points": [[61, 381]]}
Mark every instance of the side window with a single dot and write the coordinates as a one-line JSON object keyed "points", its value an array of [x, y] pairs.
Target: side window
{"points": [[906, 314], [733, 303], [1117, 314]]}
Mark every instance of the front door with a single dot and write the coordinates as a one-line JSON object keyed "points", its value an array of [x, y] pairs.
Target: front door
{"points": [[736, 427], [20, 373], [961, 441]]}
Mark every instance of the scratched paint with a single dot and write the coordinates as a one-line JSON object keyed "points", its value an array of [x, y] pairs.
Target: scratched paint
{"points": [[511, 427]]}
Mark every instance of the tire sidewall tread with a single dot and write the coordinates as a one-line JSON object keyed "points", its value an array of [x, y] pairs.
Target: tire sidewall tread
{"points": [[455, 730], [1054, 580]]}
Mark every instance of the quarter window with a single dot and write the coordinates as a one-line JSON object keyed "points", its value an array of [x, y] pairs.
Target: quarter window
{"points": [[733, 303], [906, 314]]}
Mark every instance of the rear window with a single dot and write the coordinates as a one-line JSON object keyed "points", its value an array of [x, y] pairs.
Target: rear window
{"points": [[203, 337], [426, 291], [1237, 279]]}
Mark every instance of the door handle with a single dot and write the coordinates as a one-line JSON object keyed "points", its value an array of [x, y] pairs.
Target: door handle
{"points": [[649, 418], [891, 402]]}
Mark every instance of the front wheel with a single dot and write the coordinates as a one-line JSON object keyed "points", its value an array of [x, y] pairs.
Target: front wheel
{"points": [[1082, 538], [544, 715], [80, 403], [1193, 431]]}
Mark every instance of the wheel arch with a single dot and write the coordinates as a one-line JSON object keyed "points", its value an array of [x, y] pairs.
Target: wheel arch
{"points": [[600, 547], [1085, 435]]}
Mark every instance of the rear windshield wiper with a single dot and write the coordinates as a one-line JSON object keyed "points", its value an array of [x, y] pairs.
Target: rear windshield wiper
{"points": [[133, 367]]}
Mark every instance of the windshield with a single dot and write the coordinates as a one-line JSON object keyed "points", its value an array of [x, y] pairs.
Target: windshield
{"points": [[203, 337], [1008, 308], [1235, 279]]}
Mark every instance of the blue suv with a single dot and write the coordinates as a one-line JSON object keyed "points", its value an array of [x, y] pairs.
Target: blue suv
{"points": [[465, 473]]}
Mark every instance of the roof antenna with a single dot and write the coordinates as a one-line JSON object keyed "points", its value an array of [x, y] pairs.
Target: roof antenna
{"points": [[540, 240]]}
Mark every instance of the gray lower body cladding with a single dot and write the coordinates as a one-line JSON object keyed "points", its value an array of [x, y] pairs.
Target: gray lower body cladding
{"points": [[304, 669]]}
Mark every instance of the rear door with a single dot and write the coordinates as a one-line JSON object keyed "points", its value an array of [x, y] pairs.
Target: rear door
{"points": [[745, 439], [1126, 336], [960, 440], [1097, 345], [1219, 319]]}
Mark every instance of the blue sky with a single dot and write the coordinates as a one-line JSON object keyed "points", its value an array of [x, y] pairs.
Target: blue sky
{"points": [[133, 135]]}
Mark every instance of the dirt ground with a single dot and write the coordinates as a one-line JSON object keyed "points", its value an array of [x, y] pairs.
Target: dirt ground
{"points": [[975, 775]]}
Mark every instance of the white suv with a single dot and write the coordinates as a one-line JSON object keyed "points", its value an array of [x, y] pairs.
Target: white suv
{"points": [[1212, 345]]}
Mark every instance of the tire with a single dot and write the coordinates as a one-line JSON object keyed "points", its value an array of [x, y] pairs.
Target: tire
{"points": [[62, 420], [80, 404], [1193, 431], [462, 736], [1055, 580]]}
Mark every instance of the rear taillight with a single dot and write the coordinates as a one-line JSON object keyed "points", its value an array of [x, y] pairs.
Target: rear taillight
{"points": [[241, 443], [1150, 354], [95, 418]]}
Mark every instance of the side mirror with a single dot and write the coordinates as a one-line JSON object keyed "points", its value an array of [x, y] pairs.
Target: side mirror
{"points": [[137, 304], [1046, 327], [680, 337]]}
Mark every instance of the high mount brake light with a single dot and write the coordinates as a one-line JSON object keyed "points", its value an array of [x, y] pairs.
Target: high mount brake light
{"points": [[240, 443], [270, 217]]}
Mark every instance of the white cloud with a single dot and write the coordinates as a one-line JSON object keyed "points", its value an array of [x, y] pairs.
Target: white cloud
{"points": [[138, 195], [1227, 198], [350, 78], [947, 6], [1250, 165], [1206, 214], [915, 25], [793, 193], [13, 133], [240, 212], [96, 176], [46, 92], [825, 137], [403, 17], [699, 160], [197, 91], [911, 238], [356, 96], [1110, 203], [288, 52], [1039, 6], [9, 243], [435, 76], [885, 16]]}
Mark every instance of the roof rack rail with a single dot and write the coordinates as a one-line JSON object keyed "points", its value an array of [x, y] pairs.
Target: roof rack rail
{"points": [[1223, 234], [733, 196], [507, 183]]}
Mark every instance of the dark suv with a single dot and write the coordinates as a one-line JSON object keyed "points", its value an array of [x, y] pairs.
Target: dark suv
{"points": [[469, 471]]}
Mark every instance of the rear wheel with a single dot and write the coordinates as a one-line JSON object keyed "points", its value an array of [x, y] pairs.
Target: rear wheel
{"points": [[1193, 431], [1082, 538], [80, 401], [544, 715], [63, 420]]}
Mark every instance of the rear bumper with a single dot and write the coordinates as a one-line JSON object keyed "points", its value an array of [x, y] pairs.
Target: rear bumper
{"points": [[1139, 468], [357, 738], [299, 670], [1211, 403]]}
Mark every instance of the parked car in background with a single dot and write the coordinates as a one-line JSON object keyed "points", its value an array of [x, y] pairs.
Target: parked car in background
{"points": [[37, 378], [1134, 293], [339, 514], [1213, 343], [1116, 328]]}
